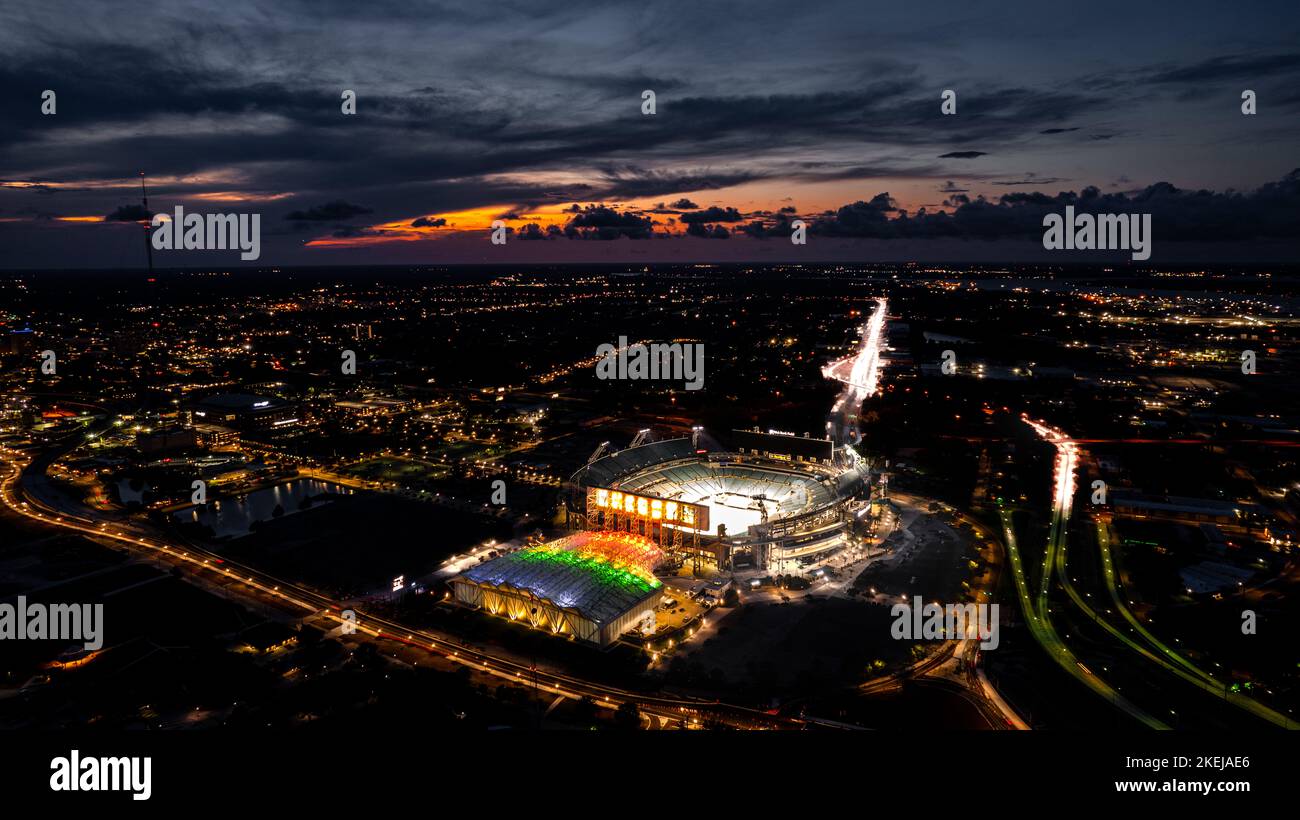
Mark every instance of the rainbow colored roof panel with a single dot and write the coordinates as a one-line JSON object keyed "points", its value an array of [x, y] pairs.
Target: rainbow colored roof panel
{"points": [[600, 574]]}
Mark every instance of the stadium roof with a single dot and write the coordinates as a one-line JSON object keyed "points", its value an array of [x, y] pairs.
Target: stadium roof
{"points": [[602, 472], [600, 574]]}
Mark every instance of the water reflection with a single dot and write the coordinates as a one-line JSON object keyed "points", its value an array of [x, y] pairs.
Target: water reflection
{"points": [[233, 517]]}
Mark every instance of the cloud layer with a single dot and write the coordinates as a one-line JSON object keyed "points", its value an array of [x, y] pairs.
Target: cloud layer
{"points": [[523, 111]]}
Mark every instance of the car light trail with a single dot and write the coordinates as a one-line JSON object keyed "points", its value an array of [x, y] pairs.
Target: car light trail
{"points": [[860, 376]]}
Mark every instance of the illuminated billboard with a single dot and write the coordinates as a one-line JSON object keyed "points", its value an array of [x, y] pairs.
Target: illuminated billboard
{"points": [[673, 513]]}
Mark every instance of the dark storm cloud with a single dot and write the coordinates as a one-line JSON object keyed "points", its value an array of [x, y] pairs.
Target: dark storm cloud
{"points": [[534, 231], [1232, 67], [703, 231], [829, 172], [963, 155], [329, 212], [448, 145], [896, 112], [352, 232], [629, 85], [1058, 130], [684, 204], [634, 182], [428, 222], [1029, 179], [860, 219], [1269, 212], [1272, 75], [713, 214], [306, 137], [600, 222], [128, 213], [760, 229]]}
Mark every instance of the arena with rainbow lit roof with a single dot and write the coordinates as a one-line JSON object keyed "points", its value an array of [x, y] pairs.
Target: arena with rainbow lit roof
{"points": [[592, 586]]}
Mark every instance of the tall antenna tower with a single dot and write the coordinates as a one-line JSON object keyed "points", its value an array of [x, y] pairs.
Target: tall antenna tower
{"points": [[148, 245]]}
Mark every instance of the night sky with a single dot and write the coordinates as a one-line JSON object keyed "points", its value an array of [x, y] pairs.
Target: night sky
{"points": [[827, 112]]}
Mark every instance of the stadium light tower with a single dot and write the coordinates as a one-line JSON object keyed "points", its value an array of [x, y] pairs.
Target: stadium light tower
{"points": [[600, 451]]}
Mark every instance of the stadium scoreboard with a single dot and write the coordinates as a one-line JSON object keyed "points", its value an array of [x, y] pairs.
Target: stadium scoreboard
{"points": [[674, 513]]}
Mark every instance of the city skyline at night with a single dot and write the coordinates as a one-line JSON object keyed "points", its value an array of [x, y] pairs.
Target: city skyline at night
{"points": [[442, 403]]}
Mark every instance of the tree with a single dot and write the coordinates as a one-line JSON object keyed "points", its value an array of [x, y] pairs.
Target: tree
{"points": [[627, 716], [585, 712], [366, 655]]}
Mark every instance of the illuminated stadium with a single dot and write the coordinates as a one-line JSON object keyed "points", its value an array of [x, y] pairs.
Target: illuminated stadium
{"points": [[593, 586], [739, 496], [774, 500]]}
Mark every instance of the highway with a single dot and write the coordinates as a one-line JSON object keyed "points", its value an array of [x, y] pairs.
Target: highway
{"points": [[860, 375], [1040, 626], [1055, 562], [1037, 610], [1112, 585]]}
